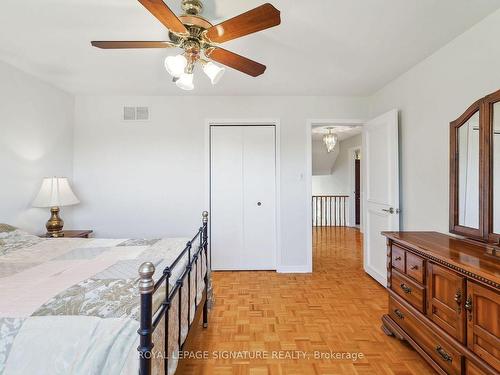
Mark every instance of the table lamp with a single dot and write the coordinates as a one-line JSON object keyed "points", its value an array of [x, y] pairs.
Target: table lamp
{"points": [[55, 192]]}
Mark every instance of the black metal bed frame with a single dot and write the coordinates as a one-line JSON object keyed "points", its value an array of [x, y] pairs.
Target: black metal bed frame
{"points": [[150, 319]]}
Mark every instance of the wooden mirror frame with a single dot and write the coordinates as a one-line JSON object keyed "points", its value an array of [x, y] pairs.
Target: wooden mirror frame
{"points": [[485, 231], [455, 227], [488, 103]]}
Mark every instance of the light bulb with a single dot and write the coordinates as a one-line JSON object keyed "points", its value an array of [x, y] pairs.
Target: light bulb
{"points": [[175, 65], [185, 81], [213, 72]]}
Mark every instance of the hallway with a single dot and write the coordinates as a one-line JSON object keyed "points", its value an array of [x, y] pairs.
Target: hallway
{"points": [[337, 309]]}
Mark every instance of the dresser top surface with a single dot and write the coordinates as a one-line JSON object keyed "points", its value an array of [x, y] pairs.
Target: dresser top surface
{"points": [[466, 255]]}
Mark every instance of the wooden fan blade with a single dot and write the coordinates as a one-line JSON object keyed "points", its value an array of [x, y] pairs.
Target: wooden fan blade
{"points": [[257, 19], [131, 44], [236, 61], [163, 13]]}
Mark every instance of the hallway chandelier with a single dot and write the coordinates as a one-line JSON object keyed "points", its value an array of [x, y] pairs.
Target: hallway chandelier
{"points": [[330, 140]]}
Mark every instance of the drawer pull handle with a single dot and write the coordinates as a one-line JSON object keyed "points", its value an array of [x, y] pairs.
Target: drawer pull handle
{"points": [[468, 307], [414, 267], [443, 354], [397, 258], [399, 314], [405, 288], [458, 300]]}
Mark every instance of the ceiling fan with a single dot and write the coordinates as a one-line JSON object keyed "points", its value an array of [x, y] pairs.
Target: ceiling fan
{"points": [[200, 40]]}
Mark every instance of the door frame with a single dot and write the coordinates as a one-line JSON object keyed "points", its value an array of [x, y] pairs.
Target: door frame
{"points": [[248, 122], [308, 172], [352, 187]]}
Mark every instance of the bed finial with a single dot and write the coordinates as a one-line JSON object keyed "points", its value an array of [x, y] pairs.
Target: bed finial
{"points": [[146, 282], [205, 217]]}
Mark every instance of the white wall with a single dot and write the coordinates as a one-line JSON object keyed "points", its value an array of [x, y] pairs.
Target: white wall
{"points": [[429, 96], [36, 140], [149, 179], [338, 182]]}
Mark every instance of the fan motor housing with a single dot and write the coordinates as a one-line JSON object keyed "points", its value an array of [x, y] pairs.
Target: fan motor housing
{"points": [[196, 25]]}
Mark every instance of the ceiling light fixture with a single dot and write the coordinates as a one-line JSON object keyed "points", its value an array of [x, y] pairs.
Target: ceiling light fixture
{"points": [[330, 140], [181, 69]]}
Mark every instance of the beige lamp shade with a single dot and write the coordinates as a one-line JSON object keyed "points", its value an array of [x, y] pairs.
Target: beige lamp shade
{"points": [[55, 192]]}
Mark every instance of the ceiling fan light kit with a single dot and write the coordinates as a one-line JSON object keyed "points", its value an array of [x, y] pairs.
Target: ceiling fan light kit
{"points": [[200, 40]]}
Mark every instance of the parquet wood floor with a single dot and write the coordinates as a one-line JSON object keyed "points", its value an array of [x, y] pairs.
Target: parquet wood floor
{"points": [[336, 308]]}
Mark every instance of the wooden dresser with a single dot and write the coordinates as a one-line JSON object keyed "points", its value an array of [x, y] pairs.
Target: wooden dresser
{"points": [[444, 299]]}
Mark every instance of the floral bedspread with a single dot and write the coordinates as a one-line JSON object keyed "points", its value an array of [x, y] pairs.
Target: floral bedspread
{"points": [[71, 305]]}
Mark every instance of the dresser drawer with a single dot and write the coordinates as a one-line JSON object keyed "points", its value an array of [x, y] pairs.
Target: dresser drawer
{"points": [[415, 267], [445, 355], [408, 290], [398, 258]]}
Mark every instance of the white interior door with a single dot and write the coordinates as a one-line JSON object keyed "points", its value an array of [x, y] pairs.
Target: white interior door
{"points": [[381, 190], [243, 197]]}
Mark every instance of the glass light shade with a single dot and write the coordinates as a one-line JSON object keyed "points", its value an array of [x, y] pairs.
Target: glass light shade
{"points": [[213, 72], [175, 65], [55, 192], [330, 141], [185, 81]]}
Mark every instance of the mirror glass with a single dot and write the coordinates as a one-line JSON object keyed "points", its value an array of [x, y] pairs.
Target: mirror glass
{"points": [[468, 173], [496, 167]]}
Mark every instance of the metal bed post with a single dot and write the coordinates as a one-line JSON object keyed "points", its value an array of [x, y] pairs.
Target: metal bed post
{"points": [[167, 273], [149, 319], [146, 288], [208, 288], [180, 283], [189, 267]]}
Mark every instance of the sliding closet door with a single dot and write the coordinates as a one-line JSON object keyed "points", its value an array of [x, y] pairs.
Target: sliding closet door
{"points": [[226, 206], [243, 197], [259, 197]]}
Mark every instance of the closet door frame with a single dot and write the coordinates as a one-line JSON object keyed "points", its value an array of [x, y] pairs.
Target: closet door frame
{"points": [[248, 122]]}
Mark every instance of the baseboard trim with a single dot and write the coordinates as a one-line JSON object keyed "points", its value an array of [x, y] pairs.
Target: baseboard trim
{"points": [[294, 269], [382, 279]]}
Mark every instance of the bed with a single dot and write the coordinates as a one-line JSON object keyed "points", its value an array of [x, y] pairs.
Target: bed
{"points": [[99, 306]]}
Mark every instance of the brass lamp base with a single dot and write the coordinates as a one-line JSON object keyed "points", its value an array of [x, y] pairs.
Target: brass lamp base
{"points": [[55, 224]]}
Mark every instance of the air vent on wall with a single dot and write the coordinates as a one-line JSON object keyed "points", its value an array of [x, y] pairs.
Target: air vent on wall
{"points": [[135, 113]]}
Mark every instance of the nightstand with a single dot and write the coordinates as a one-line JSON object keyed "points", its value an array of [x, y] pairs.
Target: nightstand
{"points": [[74, 234]]}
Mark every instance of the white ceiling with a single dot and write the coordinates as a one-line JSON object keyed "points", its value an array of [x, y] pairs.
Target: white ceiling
{"points": [[322, 47]]}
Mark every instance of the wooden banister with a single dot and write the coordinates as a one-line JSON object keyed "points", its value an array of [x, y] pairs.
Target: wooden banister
{"points": [[329, 210]]}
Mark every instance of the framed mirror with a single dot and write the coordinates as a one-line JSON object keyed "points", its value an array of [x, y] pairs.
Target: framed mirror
{"points": [[492, 166], [468, 172], [475, 172], [466, 198], [495, 146]]}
